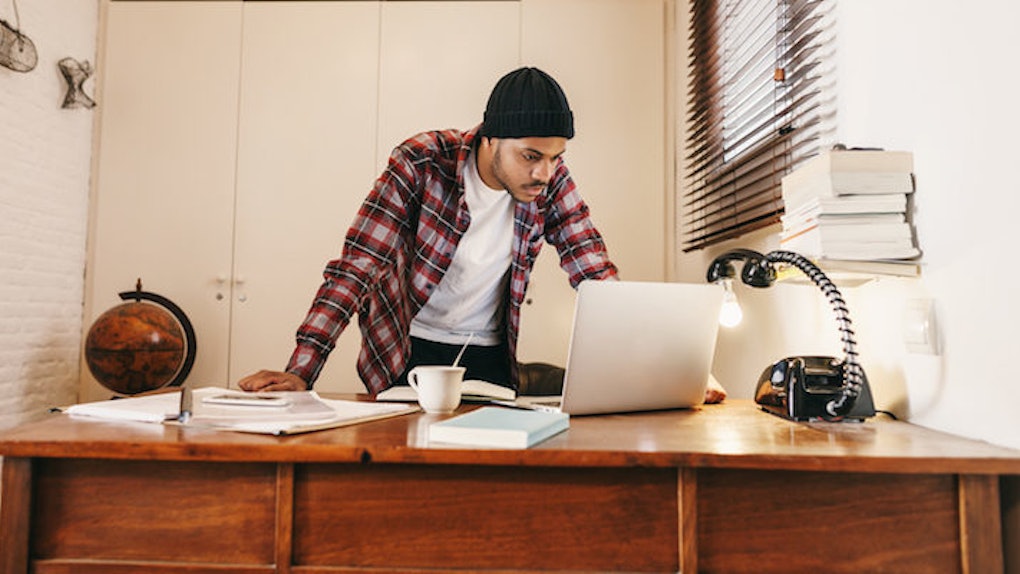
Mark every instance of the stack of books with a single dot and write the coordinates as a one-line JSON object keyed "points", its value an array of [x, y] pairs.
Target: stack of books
{"points": [[850, 205]]}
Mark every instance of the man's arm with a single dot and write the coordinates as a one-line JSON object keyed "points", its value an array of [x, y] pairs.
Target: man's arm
{"points": [[569, 228]]}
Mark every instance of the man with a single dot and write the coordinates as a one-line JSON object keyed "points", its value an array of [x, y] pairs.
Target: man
{"points": [[440, 253]]}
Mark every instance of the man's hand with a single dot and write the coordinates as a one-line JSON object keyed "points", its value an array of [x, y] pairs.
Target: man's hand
{"points": [[715, 393], [272, 381]]}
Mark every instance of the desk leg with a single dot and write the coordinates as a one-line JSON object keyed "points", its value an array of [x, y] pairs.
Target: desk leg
{"points": [[15, 514], [980, 523], [687, 495]]}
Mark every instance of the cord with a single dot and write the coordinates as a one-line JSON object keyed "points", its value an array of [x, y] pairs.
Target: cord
{"points": [[853, 374]]}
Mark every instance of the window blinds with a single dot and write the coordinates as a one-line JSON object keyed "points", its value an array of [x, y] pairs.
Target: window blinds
{"points": [[759, 103]]}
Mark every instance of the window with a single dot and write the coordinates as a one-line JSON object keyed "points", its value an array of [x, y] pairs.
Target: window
{"points": [[759, 102]]}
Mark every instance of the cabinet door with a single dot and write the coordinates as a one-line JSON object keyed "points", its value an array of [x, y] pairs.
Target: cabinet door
{"points": [[610, 61], [165, 172], [439, 61], [306, 156], [315, 133]]}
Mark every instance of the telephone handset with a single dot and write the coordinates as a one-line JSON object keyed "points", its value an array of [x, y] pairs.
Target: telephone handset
{"points": [[799, 388]]}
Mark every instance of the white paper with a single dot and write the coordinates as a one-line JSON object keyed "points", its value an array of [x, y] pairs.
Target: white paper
{"points": [[305, 411]]}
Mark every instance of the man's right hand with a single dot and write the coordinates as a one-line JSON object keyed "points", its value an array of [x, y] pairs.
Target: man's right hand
{"points": [[272, 381]]}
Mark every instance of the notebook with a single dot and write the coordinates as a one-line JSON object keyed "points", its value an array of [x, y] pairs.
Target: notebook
{"points": [[637, 346]]}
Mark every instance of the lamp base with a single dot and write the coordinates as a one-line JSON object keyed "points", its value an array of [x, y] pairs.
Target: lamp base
{"points": [[799, 388]]}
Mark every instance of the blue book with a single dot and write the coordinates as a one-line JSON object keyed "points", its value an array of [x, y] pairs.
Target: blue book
{"points": [[499, 427]]}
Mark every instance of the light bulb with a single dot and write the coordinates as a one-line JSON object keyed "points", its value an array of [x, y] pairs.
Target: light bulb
{"points": [[730, 314]]}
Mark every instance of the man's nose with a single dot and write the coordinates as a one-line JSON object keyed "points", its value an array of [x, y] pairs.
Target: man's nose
{"points": [[544, 169]]}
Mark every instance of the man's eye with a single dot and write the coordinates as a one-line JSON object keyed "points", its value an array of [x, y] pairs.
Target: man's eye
{"points": [[530, 157]]}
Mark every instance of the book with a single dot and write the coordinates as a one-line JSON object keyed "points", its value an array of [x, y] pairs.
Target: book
{"points": [[473, 390], [499, 427], [282, 414], [827, 231], [812, 245], [797, 223], [894, 267], [850, 204], [852, 272], [839, 173]]}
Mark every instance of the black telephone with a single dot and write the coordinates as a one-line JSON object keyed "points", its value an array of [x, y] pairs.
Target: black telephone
{"points": [[800, 388]]}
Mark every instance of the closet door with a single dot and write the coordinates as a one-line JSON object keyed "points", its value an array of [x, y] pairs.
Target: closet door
{"points": [[317, 126], [438, 63], [306, 156], [164, 197], [610, 61]]}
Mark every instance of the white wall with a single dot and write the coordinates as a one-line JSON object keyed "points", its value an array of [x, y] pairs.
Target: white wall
{"points": [[938, 79], [45, 154]]}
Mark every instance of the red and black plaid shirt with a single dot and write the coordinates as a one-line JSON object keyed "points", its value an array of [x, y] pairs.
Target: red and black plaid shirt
{"points": [[402, 242]]}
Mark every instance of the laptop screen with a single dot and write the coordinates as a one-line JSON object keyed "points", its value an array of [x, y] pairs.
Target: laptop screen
{"points": [[639, 346]]}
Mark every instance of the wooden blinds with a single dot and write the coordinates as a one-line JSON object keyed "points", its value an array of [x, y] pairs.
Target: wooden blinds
{"points": [[758, 103]]}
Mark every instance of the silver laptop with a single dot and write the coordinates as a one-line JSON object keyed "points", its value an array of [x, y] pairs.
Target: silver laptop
{"points": [[637, 346]]}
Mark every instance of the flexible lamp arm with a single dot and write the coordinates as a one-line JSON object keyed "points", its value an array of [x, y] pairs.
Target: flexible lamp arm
{"points": [[759, 271]]}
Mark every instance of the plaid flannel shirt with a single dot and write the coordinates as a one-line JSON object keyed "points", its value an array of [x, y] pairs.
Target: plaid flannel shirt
{"points": [[402, 242]]}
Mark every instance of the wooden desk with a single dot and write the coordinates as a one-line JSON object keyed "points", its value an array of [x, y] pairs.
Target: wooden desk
{"points": [[724, 488]]}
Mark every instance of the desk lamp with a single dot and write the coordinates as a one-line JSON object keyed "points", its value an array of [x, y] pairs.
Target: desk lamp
{"points": [[810, 387]]}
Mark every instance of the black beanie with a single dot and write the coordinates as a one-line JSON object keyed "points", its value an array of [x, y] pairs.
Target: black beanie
{"points": [[527, 103]]}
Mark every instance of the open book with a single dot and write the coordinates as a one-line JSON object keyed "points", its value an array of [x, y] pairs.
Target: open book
{"points": [[278, 413], [472, 390]]}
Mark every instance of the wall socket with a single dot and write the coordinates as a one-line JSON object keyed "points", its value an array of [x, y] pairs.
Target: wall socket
{"points": [[920, 330]]}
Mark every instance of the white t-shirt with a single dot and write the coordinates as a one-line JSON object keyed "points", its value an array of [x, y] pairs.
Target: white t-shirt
{"points": [[470, 298]]}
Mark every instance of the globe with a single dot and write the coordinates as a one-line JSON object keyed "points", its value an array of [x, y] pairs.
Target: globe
{"points": [[135, 347]]}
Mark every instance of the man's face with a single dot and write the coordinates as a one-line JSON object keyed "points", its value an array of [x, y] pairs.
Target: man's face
{"points": [[524, 166]]}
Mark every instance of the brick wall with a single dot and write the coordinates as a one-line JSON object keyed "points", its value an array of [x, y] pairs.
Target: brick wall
{"points": [[45, 155]]}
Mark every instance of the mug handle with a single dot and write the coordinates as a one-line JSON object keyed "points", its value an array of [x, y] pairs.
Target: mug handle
{"points": [[412, 380]]}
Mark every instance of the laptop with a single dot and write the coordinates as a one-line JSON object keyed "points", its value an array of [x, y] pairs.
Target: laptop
{"points": [[637, 346]]}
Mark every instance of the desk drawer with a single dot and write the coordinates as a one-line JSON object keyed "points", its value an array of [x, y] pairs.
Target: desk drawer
{"points": [[834, 522], [516, 518], [148, 511]]}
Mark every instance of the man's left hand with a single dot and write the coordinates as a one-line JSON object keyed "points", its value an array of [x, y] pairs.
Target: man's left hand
{"points": [[715, 393]]}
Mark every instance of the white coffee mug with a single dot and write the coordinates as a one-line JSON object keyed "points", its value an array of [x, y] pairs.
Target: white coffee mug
{"points": [[438, 387]]}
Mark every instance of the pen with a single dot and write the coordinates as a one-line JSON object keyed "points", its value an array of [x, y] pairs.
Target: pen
{"points": [[185, 410]]}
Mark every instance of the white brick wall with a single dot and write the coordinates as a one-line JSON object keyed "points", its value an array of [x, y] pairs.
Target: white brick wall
{"points": [[45, 154]]}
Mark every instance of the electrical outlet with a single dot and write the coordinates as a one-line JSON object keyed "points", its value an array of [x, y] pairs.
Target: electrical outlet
{"points": [[920, 332]]}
